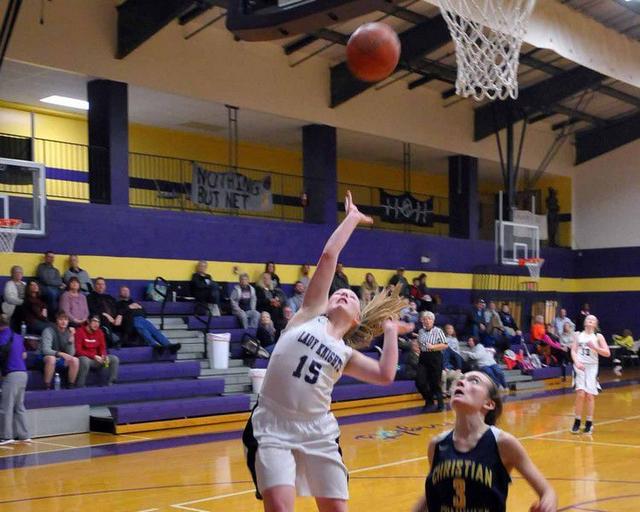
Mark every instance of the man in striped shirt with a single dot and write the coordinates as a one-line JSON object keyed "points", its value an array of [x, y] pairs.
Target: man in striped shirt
{"points": [[432, 342]]}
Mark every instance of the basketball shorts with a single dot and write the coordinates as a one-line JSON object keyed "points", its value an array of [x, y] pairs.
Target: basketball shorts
{"points": [[587, 379], [288, 449]]}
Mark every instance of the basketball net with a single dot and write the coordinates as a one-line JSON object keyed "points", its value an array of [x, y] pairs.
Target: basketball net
{"points": [[488, 36], [8, 233], [534, 265]]}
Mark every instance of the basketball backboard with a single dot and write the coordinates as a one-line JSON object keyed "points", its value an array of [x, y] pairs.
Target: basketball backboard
{"points": [[23, 194]]}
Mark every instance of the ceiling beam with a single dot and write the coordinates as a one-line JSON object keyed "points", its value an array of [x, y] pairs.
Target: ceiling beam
{"points": [[536, 98], [416, 42], [598, 141]]}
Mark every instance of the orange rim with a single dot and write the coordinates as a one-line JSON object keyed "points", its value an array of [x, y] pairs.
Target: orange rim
{"points": [[10, 223]]}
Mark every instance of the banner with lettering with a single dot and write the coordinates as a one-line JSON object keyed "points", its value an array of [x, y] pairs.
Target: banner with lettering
{"points": [[405, 208], [230, 190]]}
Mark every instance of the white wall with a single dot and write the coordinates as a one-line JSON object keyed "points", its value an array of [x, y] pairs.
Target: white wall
{"points": [[80, 36], [606, 200]]}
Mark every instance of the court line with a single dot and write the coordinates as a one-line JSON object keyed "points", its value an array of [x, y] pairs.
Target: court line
{"points": [[53, 444], [183, 505], [587, 442], [149, 510]]}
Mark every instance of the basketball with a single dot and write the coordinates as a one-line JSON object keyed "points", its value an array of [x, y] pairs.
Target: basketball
{"points": [[373, 52]]}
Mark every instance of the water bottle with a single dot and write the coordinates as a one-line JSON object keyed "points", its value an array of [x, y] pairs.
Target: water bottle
{"points": [[23, 329], [56, 382], [106, 361], [173, 296]]}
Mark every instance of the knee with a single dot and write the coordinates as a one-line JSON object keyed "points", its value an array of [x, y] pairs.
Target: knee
{"points": [[49, 360], [84, 362], [73, 362]]}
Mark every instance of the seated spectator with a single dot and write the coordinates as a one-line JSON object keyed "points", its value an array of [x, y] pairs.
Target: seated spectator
{"points": [[340, 280], [50, 282], [266, 332], [205, 289], [452, 361], [270, 299], [14, 384], [91, 351], [477, 323], [35, 310], [561, 320], [74, 270], [495, 328], [543, 342], [134, 317], [243, 303], [305, 270], [626, 342], [483, 360], [561, 353], [399, 279], [295, 302], [103, 305], [270, 267], [57, 351], [508, 322], [368, 288], [420, 292], [408, 367], [14, 291], [567, 336], [74, 303], [410, 313]]}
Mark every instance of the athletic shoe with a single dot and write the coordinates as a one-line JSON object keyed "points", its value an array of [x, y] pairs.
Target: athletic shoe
{"points": [[174, 348], [588, 428], [6, 441], [26, 441], [576, 427]]}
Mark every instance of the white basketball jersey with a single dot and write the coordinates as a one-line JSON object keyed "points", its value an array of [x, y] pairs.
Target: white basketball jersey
{"points": [[303, 368], [587, 355]]}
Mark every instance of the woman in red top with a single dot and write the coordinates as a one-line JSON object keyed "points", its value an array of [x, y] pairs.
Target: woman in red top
{"points": [[544, 343], [91, 350]]}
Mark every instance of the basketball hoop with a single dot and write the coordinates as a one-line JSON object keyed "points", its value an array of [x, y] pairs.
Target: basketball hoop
{"points": [[533, 265], [488, 36], [8, 233]]}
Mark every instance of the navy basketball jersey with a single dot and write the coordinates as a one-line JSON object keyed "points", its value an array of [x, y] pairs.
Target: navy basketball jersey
{"points": [[475, 481]]}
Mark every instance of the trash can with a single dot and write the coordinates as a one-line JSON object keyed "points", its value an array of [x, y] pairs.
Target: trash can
{"points": [[218, 350], [257, 376]]}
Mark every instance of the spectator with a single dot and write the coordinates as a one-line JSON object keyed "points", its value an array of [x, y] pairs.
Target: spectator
{"points": [[410, 313], [270, 267], [270, 299], [57, 351], [368, 288], [478, 326], [561, 353], [626, 342], [50, 281], [399, 279], [495, 328], [483, 360], [544, 343], [14, 290], [585, 311], [266, 332], [91, 351], [340, 280], [295, 302], [14, 384], [508, 322], [420, 292], [408, 369], [432, 343], [304, 275], [562, 319], [134, 318], [74, 303], [566, 336], [75, 271], [34, 309], [205, 289], [243, 303], [451, 360], [104, 307]]}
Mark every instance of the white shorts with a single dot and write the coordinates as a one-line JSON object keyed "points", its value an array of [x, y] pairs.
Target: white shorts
{"points": [[302, 453], [587, 379]]}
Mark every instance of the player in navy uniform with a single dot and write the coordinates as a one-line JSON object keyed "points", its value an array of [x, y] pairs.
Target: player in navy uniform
{"points": [[291, 439], [470, 465]]}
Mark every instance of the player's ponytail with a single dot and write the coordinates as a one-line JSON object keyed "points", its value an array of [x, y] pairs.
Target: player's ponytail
{"points": [[385, 305], [494, 395]]}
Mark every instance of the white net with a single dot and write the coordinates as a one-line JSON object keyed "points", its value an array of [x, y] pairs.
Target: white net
{"points": [[488, 36], [8, 232], [534, 267]]}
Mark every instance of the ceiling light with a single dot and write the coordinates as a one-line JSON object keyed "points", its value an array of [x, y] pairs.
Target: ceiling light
{"points": [[65, 101]]}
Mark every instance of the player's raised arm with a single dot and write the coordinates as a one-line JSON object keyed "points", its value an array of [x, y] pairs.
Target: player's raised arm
{"points": [[316, 296]]}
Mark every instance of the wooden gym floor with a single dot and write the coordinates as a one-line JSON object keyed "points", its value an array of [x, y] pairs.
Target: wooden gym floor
{"points": [[201, 470]]}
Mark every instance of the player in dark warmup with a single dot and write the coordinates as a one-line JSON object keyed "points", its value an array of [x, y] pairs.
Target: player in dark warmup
{"points": [[470, 465]]}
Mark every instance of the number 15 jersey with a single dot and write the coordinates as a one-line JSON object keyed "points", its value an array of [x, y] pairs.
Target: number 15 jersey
{"points": [[303, 368]]}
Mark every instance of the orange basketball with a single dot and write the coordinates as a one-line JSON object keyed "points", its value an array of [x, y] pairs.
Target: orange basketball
{"points": [[373, 52]]}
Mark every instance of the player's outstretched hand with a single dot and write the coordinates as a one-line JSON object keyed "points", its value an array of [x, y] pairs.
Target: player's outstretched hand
{"points": [[352, 209], [400, 327], [546, 504]]}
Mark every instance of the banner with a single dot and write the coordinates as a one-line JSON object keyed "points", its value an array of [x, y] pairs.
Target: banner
{"points": [[405, 208], [230, 190]]}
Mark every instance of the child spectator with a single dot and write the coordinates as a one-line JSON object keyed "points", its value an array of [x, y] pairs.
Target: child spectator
{"points": [[74, 303], [91, 350]]}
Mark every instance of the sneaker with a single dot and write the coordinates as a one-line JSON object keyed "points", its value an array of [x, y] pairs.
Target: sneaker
{"points": [[26, 441], [6, 441], [158, 349], [576, 427], [588, 428], [174, 348]]}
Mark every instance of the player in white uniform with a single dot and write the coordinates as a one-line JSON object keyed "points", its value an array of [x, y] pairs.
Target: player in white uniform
{"points": [[587, 346], [291, 439]]}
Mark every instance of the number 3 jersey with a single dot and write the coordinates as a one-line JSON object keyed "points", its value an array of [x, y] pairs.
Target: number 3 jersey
{"points": [[474, 481], [303, 368]]}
